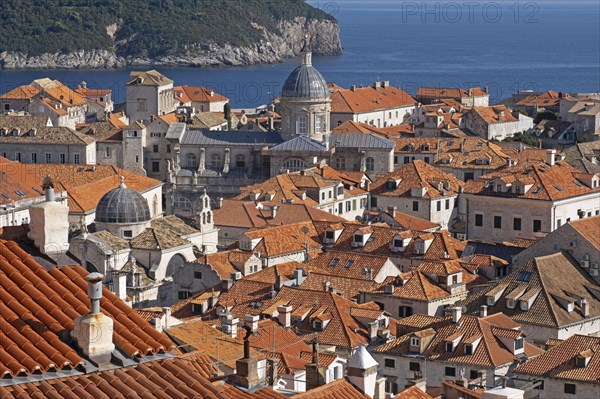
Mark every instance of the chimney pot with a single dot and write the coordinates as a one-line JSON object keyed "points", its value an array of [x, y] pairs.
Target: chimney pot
{"points": [[456, 314], [483, 311]]}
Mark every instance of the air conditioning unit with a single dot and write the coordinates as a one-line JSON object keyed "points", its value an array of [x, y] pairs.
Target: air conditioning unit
{"points": [[593, 272], [585, 263], [594, 265]]}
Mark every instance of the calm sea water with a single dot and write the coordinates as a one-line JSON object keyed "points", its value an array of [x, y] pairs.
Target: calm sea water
{"points": [[505, 45]]}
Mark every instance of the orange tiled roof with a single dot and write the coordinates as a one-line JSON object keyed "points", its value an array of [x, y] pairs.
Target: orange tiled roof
{"points": [[286, 239], [470, 152], [171, 378], [494, 114], [85, 184], [346, 287], [490, 352], [224, 263], [414, 175], [201, 94], [550, 183], [349, 264], [284, 271], [64, 95], [251, 215], [590, 229], [549, 98], [560, 360], [53, 300], [367, 99], [338, 389], [415, 286], [25, 92], [443, 92], [85, 92], [413, 392]]}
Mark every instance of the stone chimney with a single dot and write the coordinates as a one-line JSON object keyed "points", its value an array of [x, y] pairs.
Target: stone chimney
{"points": [[49, 224], [272, 364], [247, 367], [252, 322], [362, 371], [299, 276], [377, 85], [373, 327], [93, 332], [483, 311], [285, 315], [456, 314], [229, 325], [585, 308], [274, 211], [120, 284], [551, 157], [418, 381], [315, 374]]}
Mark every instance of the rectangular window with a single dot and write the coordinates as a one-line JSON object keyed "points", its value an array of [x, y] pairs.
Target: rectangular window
{"points": [[329, 235], [447, 204], [33, 157], [570, 389], [519, 343], [348, 206], [478, 220], [128, 233], [390, 363], [184, 294], [62, 158], [48, 157], [155, 167], [439, 206], [415, 206], [155, 148], [414, 366], [317, 124], [558, 223], [406, 159], [198, 275], [108, 152], [302, 125], [426, 159], [18, 156], [497, 222], [473, 374], [468, 349], [517, 224], [450, 372], [537, 225], [76, 158], [168, 147]]}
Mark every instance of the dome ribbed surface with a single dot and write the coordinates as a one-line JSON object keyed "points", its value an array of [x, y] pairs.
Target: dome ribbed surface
{"points": [[305, 82], [122, 205]]}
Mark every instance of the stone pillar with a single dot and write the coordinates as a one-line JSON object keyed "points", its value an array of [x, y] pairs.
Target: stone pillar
{"points": [[202, 161], [363, 161], [227, 160]]}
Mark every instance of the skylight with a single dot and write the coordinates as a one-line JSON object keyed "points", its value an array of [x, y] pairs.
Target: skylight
{"points": [[537, 190], [349, 264], [558, 188], [334, 262], [524, 277]]}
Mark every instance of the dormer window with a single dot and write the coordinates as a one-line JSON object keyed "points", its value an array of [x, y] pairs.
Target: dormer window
{"points": [[330, 234], [358, 238], [468, 349], [510, 303], [398, 243], [519, 343], [414, 341], [449, 347], [583, 359]]}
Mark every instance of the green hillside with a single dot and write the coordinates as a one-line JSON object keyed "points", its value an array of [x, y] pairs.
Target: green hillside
{"points": [[146, 27]]}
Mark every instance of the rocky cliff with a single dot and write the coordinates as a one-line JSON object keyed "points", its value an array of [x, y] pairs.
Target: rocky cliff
{"points": [[274, 47]]}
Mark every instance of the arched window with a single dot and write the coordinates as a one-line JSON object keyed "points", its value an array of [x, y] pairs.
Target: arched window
{"points": [[182, 204], [370, 164], [240, 161], [215, 160], [340, 163], [208, 217], [339, 123], [191, 161], [294, 165]]}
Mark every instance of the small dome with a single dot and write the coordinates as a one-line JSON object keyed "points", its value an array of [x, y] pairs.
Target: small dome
{"points": [[305, 81], [122, 205]]}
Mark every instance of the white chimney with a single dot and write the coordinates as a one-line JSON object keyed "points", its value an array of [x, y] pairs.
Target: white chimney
{"points": [[120, 285], [229, 325], [274, 211], [93, 332], [252, 322], [299, 276], [373, 327], [456, 314], [585, 308], [285, 315], [551, 157], [49, 224], [362, 371]]}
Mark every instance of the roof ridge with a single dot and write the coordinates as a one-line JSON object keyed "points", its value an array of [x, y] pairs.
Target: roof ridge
{"points": [[546, 293]]}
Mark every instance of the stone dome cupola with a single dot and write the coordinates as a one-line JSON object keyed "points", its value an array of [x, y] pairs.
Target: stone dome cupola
{"points": [[305, 101], [123, 211]]}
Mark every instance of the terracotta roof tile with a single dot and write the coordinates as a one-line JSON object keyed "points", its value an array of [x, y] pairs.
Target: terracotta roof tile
{"points": [[25, 92], [338, 389], [349, 264], [445, 92], [590, 229], [54, 299], [560, 360], [367, 99]]}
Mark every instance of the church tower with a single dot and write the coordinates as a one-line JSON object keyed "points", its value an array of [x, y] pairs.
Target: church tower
{"points": [[305, 102]]}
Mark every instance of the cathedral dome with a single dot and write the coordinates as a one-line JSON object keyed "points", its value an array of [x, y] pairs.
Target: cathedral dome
{"points": [[305, 81], [123, 205]]}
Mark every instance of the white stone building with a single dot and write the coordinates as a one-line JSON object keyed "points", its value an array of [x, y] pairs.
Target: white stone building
{"points": [[149, 93]]}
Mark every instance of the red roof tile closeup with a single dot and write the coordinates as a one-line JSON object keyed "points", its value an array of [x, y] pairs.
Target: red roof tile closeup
{"points": [[37, 307], [338, 389], [366, 99]]}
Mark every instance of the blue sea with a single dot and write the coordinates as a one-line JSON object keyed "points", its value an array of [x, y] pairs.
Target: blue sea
{"points": [[504, 45]]}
